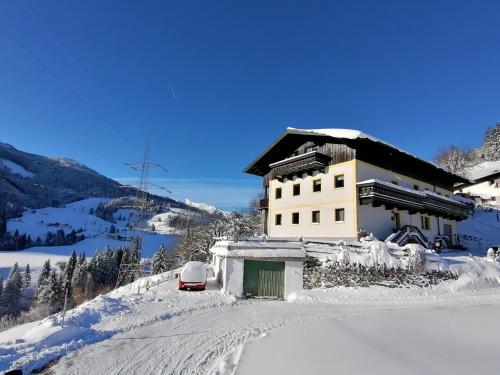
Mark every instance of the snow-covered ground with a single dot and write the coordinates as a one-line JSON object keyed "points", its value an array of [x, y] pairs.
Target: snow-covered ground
{"points": [[432, 340], [75, 216], [484, 226], [162, 330]]}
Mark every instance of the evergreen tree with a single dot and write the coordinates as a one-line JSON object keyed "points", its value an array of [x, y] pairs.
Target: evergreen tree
{"points": [[2, 302], [43, 279], [27, 277], [12, 292], [490, 150], [50, 296], [68, 272], [3, 225], [135, 250], [161, 261]]}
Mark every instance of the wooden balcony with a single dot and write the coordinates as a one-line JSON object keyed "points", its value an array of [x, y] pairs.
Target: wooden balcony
{"points": [[379, 193], [305, 163], [264, 204]]}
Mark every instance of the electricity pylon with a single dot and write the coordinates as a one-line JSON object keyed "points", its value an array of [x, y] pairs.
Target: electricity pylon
{"points": [[142, 203]]}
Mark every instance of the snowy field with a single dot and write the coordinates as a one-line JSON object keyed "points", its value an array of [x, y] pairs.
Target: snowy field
{"points": [[74, 216], [162, 330], [434, 340]]}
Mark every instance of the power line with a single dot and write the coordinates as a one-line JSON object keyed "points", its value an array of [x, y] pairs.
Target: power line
{"points": [[70, 90]]}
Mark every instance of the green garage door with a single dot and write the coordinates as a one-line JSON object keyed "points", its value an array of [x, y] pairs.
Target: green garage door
{"points": [[264, 279]]}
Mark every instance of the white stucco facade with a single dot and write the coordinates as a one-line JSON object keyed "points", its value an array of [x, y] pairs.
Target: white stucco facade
{"points": [[488, 191], [229, 258], [357, 218]]}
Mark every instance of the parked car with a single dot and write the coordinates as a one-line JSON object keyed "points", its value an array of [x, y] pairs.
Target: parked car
{"points": [[193, 276]]}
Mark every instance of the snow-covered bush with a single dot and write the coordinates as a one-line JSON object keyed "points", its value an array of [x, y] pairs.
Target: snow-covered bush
{"points": [[416, 258]]}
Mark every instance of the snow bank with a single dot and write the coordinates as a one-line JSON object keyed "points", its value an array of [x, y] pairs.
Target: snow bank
{"points": [[32, 345]]}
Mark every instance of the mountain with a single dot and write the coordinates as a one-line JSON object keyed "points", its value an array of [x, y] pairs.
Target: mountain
{"points": [[34, 181]]}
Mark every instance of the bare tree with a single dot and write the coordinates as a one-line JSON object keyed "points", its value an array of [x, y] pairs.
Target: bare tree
{"points": [[453, 160]]}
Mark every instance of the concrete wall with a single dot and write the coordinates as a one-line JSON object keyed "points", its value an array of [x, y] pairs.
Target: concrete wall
{"points": [[294, 277], [231, 275], [308, 201]]}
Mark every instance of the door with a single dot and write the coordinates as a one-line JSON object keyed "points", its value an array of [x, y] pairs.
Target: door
{"points": [[447, 232], [264, 279]]}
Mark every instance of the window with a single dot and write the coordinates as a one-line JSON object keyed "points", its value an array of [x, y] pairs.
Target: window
{"points": [[278, 193], [397, 220], [416, 187], [339, 181], [311, 149], [425, 222], [296, 189], [339, 214], [315, 217], [277, 219], [295, 218], [316, 186]]}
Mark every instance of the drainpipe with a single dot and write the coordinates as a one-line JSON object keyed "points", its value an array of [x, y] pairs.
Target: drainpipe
{"points": [[437, 217]]}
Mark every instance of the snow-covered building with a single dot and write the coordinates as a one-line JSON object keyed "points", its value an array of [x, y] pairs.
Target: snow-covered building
{"points": [[485, 187], [260, 268], [344, 184]]}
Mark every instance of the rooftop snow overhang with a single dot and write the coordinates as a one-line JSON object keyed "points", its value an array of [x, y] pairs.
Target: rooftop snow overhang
{"points": [[354, 138], [259, 249]]}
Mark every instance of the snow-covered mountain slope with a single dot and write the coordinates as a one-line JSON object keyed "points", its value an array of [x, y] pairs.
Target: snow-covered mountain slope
{"points": [[11, 167], [163, 330], [76, 216], [33, 181], [204, 207]]}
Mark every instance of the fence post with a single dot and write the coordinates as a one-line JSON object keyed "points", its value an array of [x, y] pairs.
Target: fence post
{"points": [[64, 307]]}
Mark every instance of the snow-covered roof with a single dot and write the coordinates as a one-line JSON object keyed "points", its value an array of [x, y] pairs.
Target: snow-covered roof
{"points": [[483, 170], [259, 249], [354, 134]]}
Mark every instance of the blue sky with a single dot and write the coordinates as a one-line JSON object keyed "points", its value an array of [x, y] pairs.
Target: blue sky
{"points": [[211, 84]]}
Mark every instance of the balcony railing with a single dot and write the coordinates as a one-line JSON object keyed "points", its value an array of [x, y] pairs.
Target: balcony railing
{"points": [[380, 193], [305, 163]]}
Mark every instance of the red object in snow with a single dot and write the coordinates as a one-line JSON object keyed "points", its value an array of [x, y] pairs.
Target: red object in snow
{"points": [[193, 276]]}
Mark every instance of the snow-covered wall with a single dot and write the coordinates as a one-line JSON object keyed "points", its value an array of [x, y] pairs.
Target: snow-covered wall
{"points": [[294, 277]]}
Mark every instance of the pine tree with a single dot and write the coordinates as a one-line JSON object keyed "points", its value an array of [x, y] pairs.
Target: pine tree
{"points": [[44, 274], [135, 250], [2, 302], [27, 277], [12, 292], [69, 269], [50, 296], [161, 261]]}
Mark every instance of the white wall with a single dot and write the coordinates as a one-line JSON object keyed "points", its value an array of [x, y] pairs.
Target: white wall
{"points": [[308, 201], [233, 276], [378, 220], [486, 190], [294, 277], [366, 171]]}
